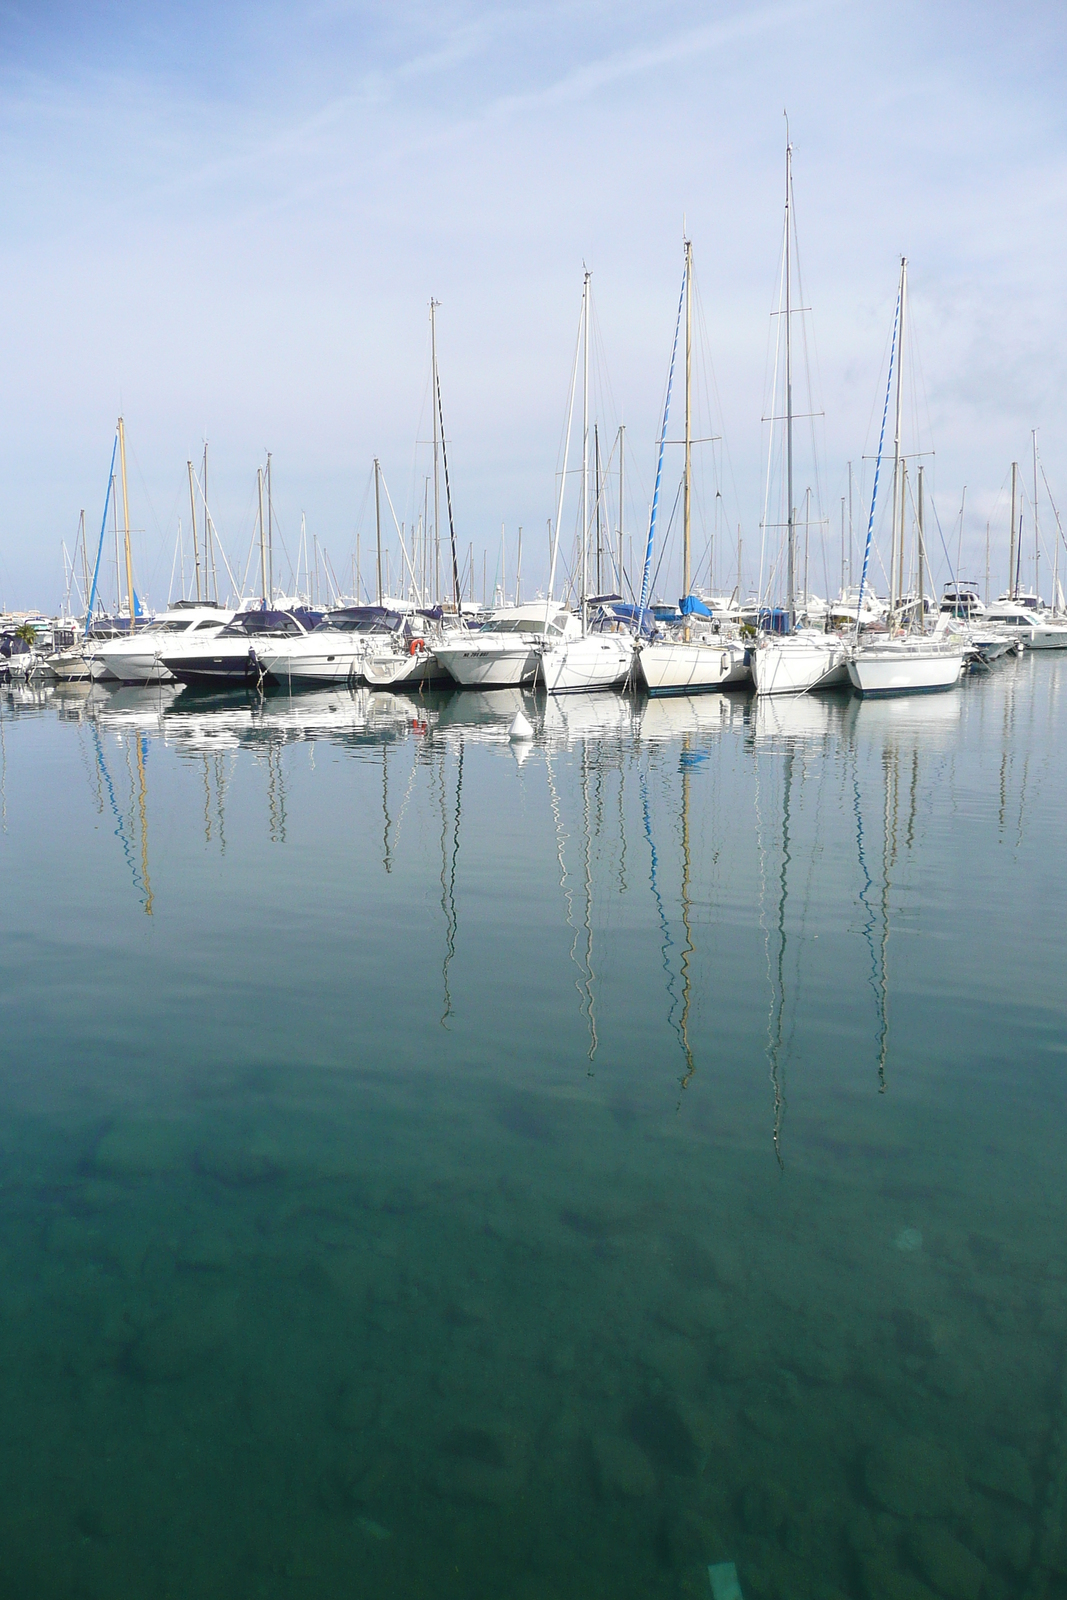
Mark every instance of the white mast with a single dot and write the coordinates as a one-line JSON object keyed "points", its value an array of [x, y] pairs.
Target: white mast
{"points": [[791, 573], [436, 454], [585, 444], [898, 486]]}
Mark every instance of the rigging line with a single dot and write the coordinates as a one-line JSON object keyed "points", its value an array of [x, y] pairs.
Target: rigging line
{"points": [[778, 320], [662, 444], [447, 907], [120, 828], [103, 530], [878, 464], [448, 501]]}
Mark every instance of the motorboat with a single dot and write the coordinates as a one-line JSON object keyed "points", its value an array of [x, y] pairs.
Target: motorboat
{"points": [[506, 652], [335, 650], [232, 655], [138, 657], [1028, 623]]}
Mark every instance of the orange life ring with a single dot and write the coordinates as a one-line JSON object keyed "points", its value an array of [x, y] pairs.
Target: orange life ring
{"points": [[417, 645]]}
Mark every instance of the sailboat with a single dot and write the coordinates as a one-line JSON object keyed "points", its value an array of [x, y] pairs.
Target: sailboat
{"points": [[908, 661], [694, 658], [582, 657], [798, 659]]}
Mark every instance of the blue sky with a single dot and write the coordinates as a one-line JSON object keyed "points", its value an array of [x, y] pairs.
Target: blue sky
{"points": [[228, 221]]}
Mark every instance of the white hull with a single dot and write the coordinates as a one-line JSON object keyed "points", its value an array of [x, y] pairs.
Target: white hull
{"points": [[794, 664], [503, 667], [1046, 638], [71, 666], [597, 661], [412, 670], [675, 667], [904, 669], [130, 669], [344, 666]]}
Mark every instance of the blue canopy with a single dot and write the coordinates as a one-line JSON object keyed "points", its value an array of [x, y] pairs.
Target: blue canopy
{"points": [[693, 606]]}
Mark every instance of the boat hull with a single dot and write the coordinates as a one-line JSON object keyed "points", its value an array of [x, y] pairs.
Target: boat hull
{"points": [[474, 668], [215, 670], [122, 668], [414, 671], [676, 667], [338, 667], [884, 672], [793, 666], [597, 661]]}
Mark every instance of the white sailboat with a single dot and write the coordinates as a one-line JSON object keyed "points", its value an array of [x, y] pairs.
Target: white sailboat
{"points": [[692, 659], [800, 659], [583, 659], [904, 662]]}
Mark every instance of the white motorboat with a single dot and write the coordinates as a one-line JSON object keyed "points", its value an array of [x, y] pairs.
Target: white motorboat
{"points": [[138, 657], [911, 665], [232, 655], [796, 662], [335, 650], [1031, 626], [506, 652]]}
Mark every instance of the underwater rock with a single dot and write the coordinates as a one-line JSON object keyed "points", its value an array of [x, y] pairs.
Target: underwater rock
{"points": [[656, 1426], [680, 1362], [176, 1346], [1005, 1473], [622, 1466], [143, 1149], [945, 1563], [484, 1464], [914, 1477], [764, 1507], [237, 1166]]}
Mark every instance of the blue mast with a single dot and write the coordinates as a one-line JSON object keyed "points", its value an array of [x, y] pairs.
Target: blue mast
{"points": [[100, 546]]}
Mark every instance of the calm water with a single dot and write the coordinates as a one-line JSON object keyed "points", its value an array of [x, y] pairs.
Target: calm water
{"points": [[431, 1169]]}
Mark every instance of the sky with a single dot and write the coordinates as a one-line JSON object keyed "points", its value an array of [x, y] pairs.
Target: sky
{"points": [[227, 222]]}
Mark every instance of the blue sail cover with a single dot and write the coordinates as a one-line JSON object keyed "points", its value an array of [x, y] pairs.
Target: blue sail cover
{"points": [[693, 606]]}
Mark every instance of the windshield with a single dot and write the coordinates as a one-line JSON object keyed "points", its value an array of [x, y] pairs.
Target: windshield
{"points": [[174, 626], [259, 622]]}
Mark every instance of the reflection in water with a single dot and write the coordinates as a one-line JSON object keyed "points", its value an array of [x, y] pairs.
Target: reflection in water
{"points": [[436, 1305]]}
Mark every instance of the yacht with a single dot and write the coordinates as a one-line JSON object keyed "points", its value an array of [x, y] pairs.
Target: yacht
{"points": [[335, 651], [137, 657], [795, 662], [908, 665], [1028, 622], [506, 652], [231, 655]]}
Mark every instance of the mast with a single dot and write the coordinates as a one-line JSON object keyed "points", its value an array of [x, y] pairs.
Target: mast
{"points": [[791, 574], [378, 523], [262, 540], [85, 564], [686, 529], [436, 453], [1037, 538], [126, 526], [585, 444], [211, 578], [850, 524], [1013, 585], [922, 607], [622, 442], [196, 547], [270, 534], [898, 486], [599, 515], [518, 571]]}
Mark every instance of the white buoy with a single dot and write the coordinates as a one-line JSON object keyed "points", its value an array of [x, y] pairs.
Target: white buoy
{"points": [[520, 728]]}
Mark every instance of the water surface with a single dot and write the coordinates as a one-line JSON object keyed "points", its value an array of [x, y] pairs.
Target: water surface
{"points": [[432, 1167]]}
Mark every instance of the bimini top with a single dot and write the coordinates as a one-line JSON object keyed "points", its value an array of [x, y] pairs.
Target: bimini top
{"points": [[248, 623], [361, 619]]}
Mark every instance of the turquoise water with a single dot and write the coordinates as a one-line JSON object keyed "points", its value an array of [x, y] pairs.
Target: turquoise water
{"points": [[435, 1168]]}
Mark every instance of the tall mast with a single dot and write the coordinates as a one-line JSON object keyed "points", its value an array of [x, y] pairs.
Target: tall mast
{"points": [[622, 442], [599, 515], [262, 538], [126, 526], [436, 453], [378, 522], [85, 565], [922, 607], [270, 534], [791, 568], [192, 512], [585, 444], [1037, 539], [1013, 587], [850, 524], [211, 579], [898, 486], [686, 545]]}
